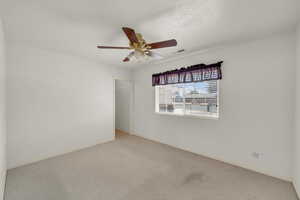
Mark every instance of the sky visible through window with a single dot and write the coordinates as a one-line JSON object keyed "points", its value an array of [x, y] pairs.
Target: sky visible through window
{"points": [[206, 87], [201, 87]]}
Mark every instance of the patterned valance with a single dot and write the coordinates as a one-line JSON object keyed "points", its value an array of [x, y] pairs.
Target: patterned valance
{"points": [[194, 73]]}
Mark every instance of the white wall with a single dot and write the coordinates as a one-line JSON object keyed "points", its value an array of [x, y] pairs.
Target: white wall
{"points": [[297, 119], [123, 91], [2, 113], [256, 106], [57, 103]]}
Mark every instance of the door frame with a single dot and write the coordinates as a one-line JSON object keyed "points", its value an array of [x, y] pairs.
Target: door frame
{"points": [[131, 105]]}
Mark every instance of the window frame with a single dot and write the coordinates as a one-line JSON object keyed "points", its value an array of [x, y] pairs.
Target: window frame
{"points": [[201, 116]]}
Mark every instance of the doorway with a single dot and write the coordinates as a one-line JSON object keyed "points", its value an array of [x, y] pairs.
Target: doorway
{"points": [[123, 107]]}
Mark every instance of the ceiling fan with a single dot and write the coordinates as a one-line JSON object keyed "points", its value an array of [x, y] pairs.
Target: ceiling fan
{"points": [[140, 47]]}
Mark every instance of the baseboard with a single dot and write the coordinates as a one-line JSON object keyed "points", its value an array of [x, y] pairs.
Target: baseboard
{"points": [[35, 160], [296, 188], [122, 132], [222, 160]]}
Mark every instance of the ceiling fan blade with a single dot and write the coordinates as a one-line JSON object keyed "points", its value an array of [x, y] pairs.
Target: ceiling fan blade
{"points": [[126, 59], [130, 33], [109, 47], [163, 44]]}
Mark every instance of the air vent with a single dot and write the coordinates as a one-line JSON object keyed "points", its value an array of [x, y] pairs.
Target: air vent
{"points": [[180, 51]]}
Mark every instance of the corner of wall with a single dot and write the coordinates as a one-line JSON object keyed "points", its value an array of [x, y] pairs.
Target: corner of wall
{"points": [[3, 167], [296, 149]]}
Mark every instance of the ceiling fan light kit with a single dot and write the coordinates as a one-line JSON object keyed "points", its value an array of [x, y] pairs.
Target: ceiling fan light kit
{"points": [[142, 50]]}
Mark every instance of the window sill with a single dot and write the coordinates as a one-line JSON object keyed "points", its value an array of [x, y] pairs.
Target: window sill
{"points": [[189, 116]]}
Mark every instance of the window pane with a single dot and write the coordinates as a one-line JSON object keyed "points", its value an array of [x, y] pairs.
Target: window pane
{"points": [[201, 98], [188, 98], [171, 99]]}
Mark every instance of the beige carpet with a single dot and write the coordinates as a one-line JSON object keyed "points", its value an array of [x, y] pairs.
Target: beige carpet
{"points": [[132, 168]]}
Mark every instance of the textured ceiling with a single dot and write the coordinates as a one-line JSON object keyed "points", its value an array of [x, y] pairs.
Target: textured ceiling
{"points": [[76, 27]]}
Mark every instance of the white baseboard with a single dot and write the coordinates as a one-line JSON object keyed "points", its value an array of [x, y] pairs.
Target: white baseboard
{"points": [[297, 189], [288, 179], [34, 160]]}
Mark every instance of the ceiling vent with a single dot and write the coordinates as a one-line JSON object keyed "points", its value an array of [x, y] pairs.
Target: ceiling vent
{"points": [[180, 51]]}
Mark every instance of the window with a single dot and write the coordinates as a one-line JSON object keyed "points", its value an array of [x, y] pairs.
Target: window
{"points": [[191, 99]]}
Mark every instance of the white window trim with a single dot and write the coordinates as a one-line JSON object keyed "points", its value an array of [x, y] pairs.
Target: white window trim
{"points": [[202, 116], [199, 116]]}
